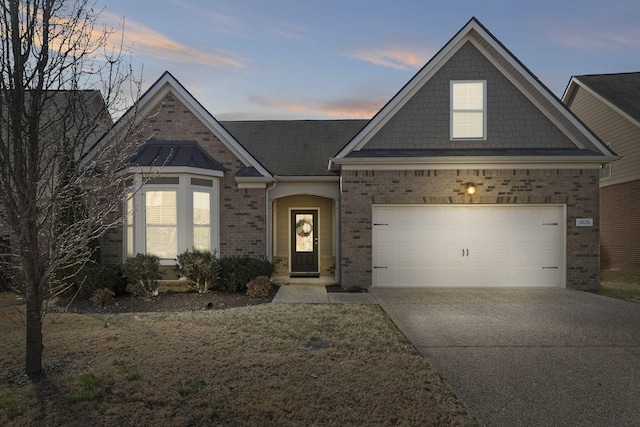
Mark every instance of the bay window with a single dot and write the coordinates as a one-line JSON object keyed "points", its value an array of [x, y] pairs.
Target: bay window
{"points": [[168, 215]]}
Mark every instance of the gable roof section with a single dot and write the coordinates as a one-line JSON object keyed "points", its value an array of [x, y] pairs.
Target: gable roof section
{"points": [[505, 62], [167, 83], [620, 91], [294, 147]]}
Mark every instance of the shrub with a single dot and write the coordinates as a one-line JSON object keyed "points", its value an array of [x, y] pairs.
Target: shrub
{"points": [[236, 272], [102, 297], [260, 287], [202, 269], [142, 272], [100, 276]]}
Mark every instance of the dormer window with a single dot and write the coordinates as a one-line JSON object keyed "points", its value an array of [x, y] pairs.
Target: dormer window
{"points": [[468, 109]]}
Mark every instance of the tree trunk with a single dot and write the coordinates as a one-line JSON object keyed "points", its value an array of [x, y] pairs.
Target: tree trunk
{"points": [[34, 288], [34, 338]]}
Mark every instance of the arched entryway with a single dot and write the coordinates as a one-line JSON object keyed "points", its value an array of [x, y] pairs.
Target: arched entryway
{"points": [[304, 236]]}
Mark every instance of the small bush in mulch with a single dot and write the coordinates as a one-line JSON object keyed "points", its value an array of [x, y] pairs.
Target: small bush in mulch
{"points": [[351, 289], [102, 297], [201, 268], [100, 276], [260, 287], [236, 272], [143, 273]]}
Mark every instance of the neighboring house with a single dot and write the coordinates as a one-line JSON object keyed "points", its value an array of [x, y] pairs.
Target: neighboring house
{"points": [[474, 174], [71, 122], [610, 105]]}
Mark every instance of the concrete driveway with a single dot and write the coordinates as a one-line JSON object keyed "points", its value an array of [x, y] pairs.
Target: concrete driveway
{"points": [[528, 356]]}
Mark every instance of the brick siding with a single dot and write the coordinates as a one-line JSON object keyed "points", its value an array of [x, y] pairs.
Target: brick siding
{"points": [[620, 227], [577, 189], [242, 211]]}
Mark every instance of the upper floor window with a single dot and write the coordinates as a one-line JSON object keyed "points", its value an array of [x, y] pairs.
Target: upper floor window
{"points": [[468, 109]]}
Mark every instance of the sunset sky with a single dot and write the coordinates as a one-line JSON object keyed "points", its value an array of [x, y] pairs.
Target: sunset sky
{"points": [[297, 59]]}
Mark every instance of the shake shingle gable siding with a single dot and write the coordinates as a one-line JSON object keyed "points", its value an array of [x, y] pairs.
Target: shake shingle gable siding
{"points": [[294, 147], [175, 153]]}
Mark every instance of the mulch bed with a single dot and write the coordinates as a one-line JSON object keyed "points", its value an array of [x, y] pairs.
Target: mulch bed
{"points": [[165, 302]]}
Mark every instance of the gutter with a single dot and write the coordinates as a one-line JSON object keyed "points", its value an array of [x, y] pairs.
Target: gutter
{"points": [[471, 162]]}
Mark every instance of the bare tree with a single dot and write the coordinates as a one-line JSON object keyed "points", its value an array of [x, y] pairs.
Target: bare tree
{"points": [[50, 207]]}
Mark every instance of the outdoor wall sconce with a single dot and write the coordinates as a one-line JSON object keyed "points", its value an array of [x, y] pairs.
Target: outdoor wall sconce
{"points": [[470, 188]]}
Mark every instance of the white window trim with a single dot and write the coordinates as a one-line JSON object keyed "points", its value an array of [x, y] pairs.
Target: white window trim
{"points": [[192, 225], [484, 110], [184, 202]]}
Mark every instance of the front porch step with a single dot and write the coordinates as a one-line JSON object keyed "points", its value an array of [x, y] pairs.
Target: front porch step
{"points": [[309, 275]]}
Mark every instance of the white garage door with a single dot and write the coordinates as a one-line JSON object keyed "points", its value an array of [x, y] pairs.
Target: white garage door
{"points": [[468, 246]]}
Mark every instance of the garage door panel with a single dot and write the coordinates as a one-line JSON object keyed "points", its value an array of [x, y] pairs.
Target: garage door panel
{"points": [[443, 277], [469, 246], [385, 237], [383, 276]]}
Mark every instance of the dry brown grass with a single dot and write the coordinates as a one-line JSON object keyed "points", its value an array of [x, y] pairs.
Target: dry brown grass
{"points": [[620, 284], [261, 365]]}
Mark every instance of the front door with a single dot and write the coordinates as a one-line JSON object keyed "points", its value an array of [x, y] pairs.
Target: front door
{"points": [[304, 241]]}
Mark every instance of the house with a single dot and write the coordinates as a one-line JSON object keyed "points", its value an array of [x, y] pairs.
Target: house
{"points": [[68, 123], [473, 174], [610, 105]]}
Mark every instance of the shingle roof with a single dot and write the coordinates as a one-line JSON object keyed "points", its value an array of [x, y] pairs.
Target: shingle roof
{"points": [[622, 90], [175, 153], [294, 147]]}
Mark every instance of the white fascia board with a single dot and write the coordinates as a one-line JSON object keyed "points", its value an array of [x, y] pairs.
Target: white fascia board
{"points": [[165, 84], [218, 130], [406, 93], [308, 178], [171, 170], [541, 89], [605, 101], [261, 179], [402, 97], [568, 91], [484, 162], [252, 185], [134, 113]]}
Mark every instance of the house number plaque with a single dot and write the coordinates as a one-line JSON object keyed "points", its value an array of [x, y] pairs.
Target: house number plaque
{"points": [[584, 222]]}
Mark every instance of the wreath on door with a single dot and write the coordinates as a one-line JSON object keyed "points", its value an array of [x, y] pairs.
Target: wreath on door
{"points": [[303, 228]]}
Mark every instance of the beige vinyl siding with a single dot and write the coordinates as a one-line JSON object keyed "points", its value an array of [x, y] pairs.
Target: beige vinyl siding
{"points": [[612, 129], [325, 212]]}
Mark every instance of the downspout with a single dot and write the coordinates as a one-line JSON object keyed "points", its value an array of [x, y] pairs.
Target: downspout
{"points": [[269, 220]]}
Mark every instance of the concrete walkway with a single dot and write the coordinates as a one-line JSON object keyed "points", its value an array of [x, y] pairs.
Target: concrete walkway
{"points": [[528, 357], [317, 294]]}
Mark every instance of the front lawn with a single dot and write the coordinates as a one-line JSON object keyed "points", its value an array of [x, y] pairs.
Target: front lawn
{"points": [[620, 284], [272, 364]]}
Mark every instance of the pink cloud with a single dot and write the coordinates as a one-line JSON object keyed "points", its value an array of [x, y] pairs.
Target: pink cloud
{"points": [[598, 39], [142, 40], [399, 58]]}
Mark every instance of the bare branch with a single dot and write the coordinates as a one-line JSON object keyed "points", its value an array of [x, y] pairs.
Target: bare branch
{"points": [[60, 84]]}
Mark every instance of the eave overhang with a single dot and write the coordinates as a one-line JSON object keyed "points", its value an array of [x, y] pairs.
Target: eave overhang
{"points": [[475, 162], [171, 170]]}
